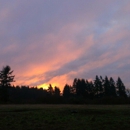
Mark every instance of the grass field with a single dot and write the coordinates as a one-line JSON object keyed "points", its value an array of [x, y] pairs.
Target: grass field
{"points": [[64, 117]]}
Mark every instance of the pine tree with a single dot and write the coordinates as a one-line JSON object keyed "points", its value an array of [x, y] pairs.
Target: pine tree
{"points": [[6, 76], [98, 86], [56, 91], [112, 88], [91, 89], [81, 87], [121, 88], [107, 87], [5, 82], [66, 91], [50, 90]]}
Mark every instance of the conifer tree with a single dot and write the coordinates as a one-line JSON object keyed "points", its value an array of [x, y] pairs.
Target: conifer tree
{"points": [[50, 90], [5, 82], [121, 88], [56, 91], [112, 87], [106, 87], [66, 91], [98, 86]]}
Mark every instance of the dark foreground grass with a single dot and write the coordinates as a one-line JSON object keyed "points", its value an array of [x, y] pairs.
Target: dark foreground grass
{"points": [[64, 117]]}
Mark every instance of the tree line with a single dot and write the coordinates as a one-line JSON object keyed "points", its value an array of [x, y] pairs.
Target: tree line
{"points": [[100, 91]]}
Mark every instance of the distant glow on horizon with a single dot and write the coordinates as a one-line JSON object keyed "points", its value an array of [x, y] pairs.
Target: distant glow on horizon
{"points": [[44, 86]]}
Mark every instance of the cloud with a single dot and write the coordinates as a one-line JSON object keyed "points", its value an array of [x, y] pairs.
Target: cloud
{"points": [[57, 41]]}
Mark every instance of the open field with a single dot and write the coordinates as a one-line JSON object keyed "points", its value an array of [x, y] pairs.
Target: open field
{"points": [[64, 117]]}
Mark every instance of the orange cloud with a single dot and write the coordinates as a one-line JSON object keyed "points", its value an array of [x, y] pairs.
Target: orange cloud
{"points": [[58, 81]]}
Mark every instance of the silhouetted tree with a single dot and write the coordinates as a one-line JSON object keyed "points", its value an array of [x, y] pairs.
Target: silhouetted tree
{"points": [[80, 86], [84, 88], [72, 91], [98, 86], [121, 88], [56, 91], [112, 87], [66, 91], [91, 89], [6, 76], [107, 87], [50, 90], [5, 82], [76, 86]]}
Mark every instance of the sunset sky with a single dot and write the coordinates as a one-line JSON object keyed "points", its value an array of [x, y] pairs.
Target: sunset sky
{"points": [[55, 41]]}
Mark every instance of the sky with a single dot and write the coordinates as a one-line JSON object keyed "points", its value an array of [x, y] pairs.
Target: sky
{"points": [[54, 41]]}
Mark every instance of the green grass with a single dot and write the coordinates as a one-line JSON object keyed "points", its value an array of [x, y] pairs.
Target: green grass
{"points": [[64, 117]]}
